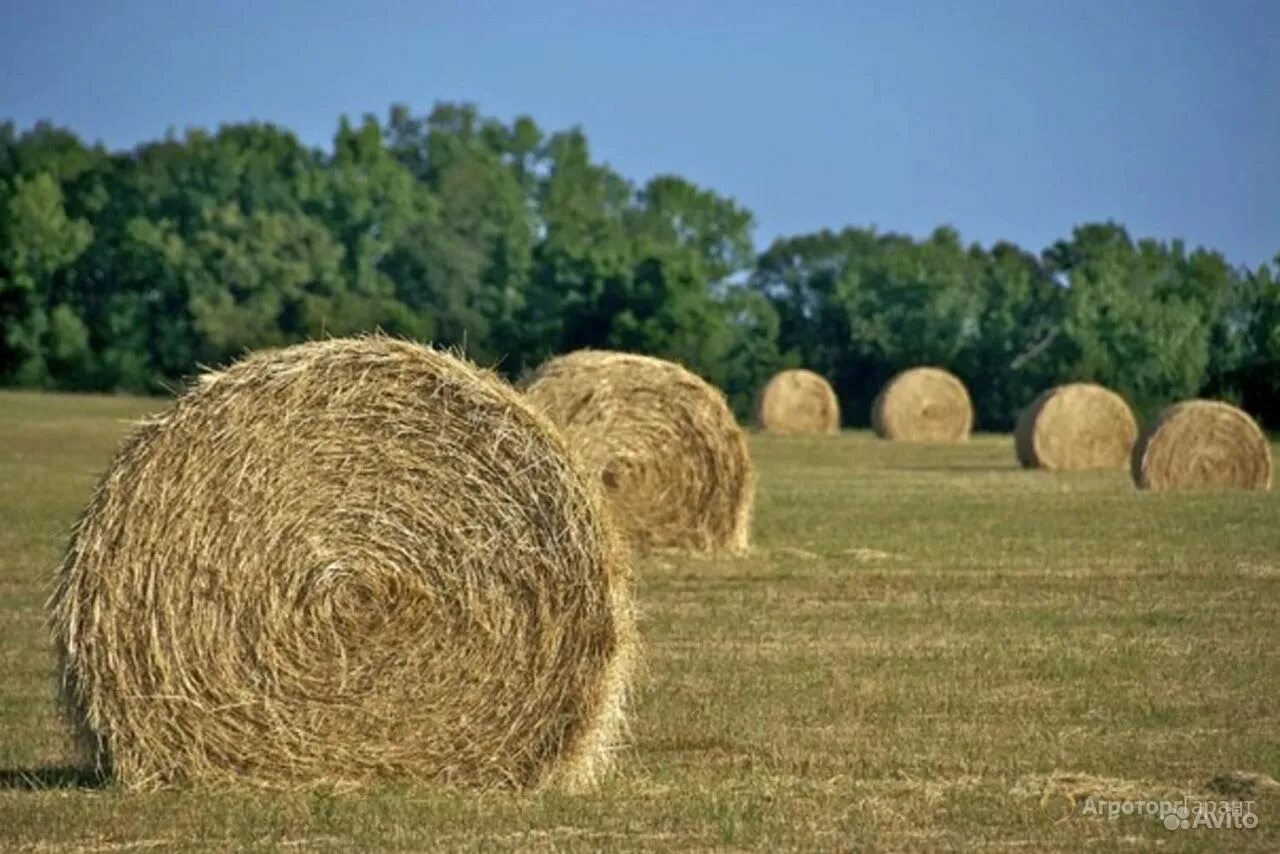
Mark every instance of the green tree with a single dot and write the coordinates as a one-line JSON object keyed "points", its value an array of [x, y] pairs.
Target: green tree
{"points": [[378, 213], [799, 277], [1245, 344], [38, 242], [143, 329], [1137, 318], [1015, 352], [263, 280], [469, 270], [671, 211], [582, 260], [749, 354]]}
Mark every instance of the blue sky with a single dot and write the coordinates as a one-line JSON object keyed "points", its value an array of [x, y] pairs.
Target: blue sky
{"points": [[1009, 120]]}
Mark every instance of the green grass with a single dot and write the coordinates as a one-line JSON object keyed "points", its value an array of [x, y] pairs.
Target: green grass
{"points": [[928, 649]]}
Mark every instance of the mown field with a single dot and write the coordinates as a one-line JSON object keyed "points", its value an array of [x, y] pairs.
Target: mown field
{"points": [[928, 649]]}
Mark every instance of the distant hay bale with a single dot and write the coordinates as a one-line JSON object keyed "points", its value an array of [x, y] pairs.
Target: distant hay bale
{"points": [[923, 405], [664, 444], [341, 562], [798, 402], [1202, 444], [1076, 426]]}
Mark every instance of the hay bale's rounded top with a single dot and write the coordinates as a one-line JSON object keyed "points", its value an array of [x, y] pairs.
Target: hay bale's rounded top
{"points": [[923, 405], [1076, 426], [798, 402], [1202, 444], [345, 561], [662, 442]]}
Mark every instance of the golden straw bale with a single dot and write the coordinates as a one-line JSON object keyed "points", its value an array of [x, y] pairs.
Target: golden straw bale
{"points": [[923, 405], [340, 562], [1202, 444], [663, 442], [1076, 426], [798, 402]]}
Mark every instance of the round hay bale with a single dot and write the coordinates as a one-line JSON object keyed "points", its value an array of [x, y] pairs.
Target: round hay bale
{"points": [[340, 562], [1076, 426], [663, 443], [798, 402], [923, 405], [1202, 444]]}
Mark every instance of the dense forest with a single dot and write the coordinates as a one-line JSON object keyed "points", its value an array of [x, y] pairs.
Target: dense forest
{"points": [[129, 270]]}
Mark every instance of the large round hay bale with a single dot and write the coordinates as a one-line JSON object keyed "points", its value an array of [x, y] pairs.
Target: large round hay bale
{"points": [[1076, 426], [340, 562], [664, 444], [923, 405], [1202, 444], [798, 402]]}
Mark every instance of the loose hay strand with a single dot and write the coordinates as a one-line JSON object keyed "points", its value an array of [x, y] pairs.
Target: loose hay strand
{"points": [[798, 402], [923, 405], [662, 442], [1074, 427], [1202, 444], [345, 561]]}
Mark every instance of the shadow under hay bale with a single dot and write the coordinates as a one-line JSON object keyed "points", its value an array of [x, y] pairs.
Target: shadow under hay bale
{"points": [[663, 442], [923, 405], [47, 777], [1202, 444], [1073, 427], [341, 562], [798, 402]]}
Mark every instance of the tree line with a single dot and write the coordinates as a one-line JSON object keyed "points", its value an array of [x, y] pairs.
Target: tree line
{"points": [[129, 270]]}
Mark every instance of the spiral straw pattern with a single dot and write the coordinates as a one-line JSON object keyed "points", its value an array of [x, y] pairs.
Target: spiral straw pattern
{"points": [[339, 562], [1202, 444]]}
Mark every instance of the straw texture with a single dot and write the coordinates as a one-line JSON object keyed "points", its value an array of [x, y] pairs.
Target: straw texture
{"points": [[663, 443], [798, 402], [1076, 426], [1202, 444], [346, 561], [923, 405]]}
